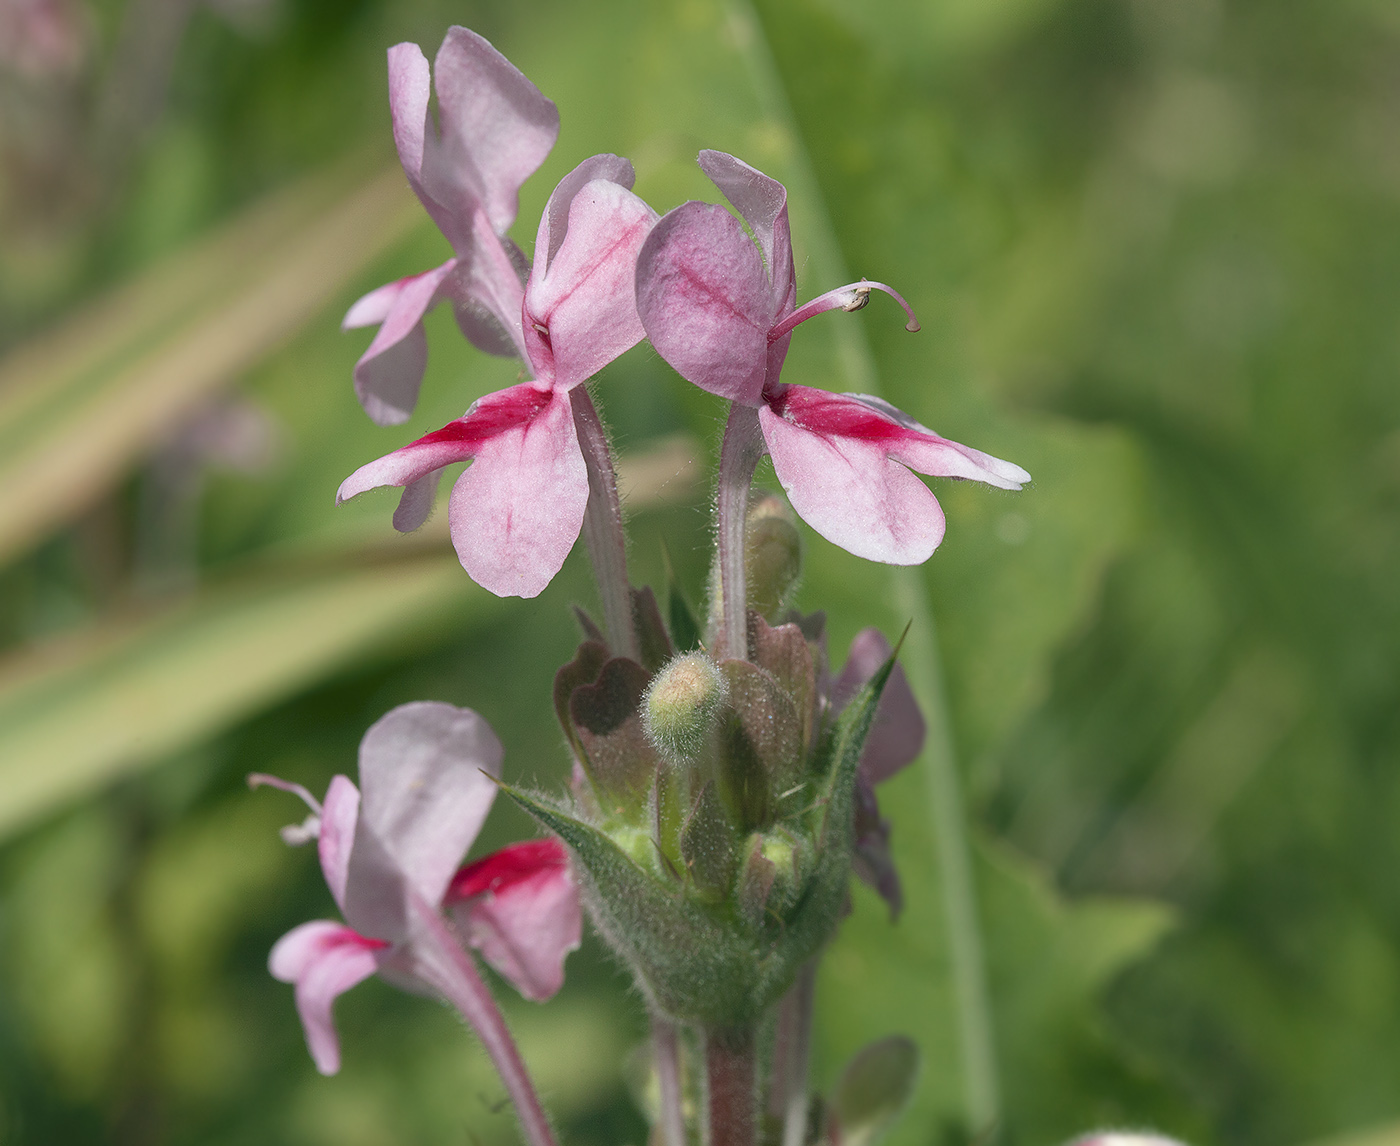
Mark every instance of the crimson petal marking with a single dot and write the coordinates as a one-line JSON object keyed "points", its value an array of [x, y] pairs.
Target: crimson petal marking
{"points": [[520, 909], [704, 301], [457, 441], [849, 491], [324, 960], [517, 510], [921, 449]]}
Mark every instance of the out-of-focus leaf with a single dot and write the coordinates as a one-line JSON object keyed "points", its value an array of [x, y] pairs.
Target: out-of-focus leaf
{"points": [[1048, 961], [873, 1089], [1388, 1135], [127, 692], [81, 403]]}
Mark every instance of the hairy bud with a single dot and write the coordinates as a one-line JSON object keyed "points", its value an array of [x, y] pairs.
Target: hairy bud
{"points": [[772, 554], [682, 706], [772, 560]]}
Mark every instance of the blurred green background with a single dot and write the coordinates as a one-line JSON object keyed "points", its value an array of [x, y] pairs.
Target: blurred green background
{"points": [[1155, 246]]}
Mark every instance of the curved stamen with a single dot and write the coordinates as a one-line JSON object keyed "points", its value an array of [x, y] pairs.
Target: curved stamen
{"points": [[258, 779], [852, 296]]}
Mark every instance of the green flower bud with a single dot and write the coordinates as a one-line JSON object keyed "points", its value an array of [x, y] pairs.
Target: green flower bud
{"points": [[772, 554], [682, 707], [772, 560]]}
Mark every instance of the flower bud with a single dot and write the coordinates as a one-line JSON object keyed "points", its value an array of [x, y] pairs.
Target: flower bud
{"points": [[772, 560], [772, 554], [682, 706]]}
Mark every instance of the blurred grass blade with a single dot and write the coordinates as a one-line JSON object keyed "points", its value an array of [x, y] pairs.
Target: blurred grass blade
{"points": [[80, 404], [121, 695], [921, 658]]}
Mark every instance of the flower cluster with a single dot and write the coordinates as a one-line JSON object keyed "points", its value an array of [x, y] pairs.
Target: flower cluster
{"points": [[723, 785]]}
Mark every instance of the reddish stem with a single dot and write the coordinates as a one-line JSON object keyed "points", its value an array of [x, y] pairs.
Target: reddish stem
{"points": [[731, 1087]]}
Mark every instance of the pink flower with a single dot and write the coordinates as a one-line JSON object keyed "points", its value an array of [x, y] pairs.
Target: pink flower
{"points": [[721, 311], [390, 856], [517, 510], [496, 130], [895, 739]]}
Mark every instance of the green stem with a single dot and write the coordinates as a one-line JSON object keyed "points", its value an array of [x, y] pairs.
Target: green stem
{"points": [[920, 656]]}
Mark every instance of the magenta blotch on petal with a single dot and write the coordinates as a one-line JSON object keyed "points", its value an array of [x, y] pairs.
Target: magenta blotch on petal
{"points": [[723, 317], [517, 510], [520, 908]]}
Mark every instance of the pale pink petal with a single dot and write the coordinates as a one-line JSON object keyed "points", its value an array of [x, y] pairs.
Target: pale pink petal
{"points": [[487, 290], [390, 372], [517, 510], [426, 772], [849, 491], [704, 301], [324, 960], [897, 734], [581, 311], [416, 502], [554, 223], [409, 92], [763, 203], [496, 130], [495, 414], [338, 815], [520, 908], [373, 308]]}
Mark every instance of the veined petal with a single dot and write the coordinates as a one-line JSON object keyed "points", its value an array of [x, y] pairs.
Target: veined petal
{"points": [[520, 908], [496, 130], [704, 301], [339, 813], [581, 310], [426, 772], [554, 222], [517, 510], [897, 733], [763, 203], [849, 491], [495, 414], [390, 372], [324, 960]]}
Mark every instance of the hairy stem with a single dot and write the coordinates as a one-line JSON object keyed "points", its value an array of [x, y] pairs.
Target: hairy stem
{"points": [[440, 960], [791, 1054], [731, 1091], [981, 1099], [738, 458], [666, 1054], [602, 526]]}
